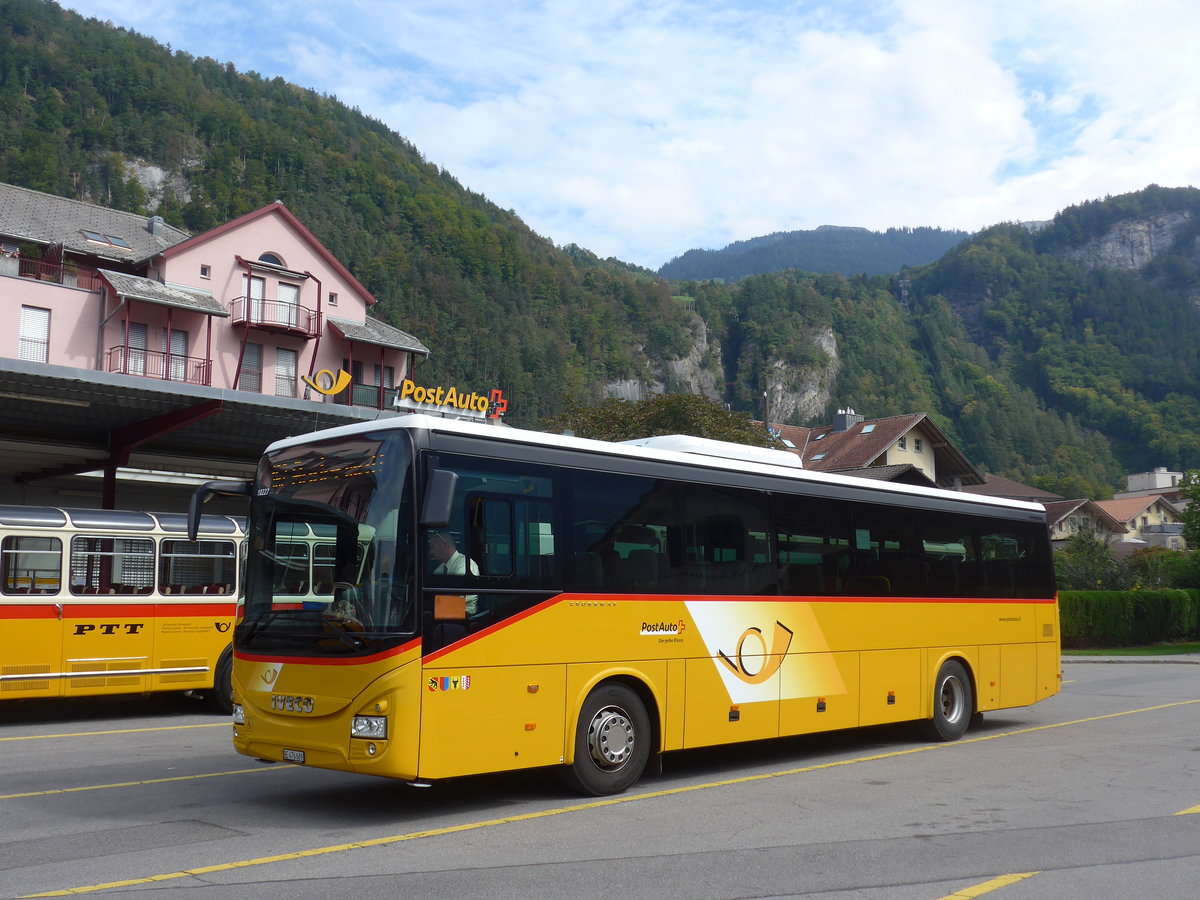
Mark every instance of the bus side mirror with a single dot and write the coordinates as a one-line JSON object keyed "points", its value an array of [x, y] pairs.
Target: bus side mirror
{"points": [[206, 490], [439, 498]]}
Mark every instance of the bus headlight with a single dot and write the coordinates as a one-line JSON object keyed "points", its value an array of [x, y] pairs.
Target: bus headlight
{"points": [[239, 714], [369, 727]]}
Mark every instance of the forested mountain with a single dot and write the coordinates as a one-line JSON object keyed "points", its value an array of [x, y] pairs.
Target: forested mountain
{"points": [[84, 106], [1061, 357], [828, 249]]}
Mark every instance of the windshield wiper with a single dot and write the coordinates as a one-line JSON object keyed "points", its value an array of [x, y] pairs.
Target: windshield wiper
{"points": [[348, 637], [250, 631]]}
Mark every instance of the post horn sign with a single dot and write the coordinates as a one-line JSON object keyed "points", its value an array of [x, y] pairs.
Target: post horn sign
{"points": [[451, 401]]}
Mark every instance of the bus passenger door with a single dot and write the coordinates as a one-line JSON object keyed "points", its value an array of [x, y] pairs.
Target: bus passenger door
{"points": [[109, 623], [31, 617]]}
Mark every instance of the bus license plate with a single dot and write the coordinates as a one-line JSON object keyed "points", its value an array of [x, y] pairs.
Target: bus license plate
{"points": [[293, 756]]}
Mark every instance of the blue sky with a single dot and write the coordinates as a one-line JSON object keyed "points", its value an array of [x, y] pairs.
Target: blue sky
{"points": [[643, 129]]}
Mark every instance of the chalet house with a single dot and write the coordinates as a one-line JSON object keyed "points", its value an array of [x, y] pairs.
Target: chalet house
{"points": [[1068, 518], [252, 305], [1152, 520], [909, 449], [131, 343]]}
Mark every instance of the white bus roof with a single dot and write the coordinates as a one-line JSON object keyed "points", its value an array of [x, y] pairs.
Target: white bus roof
{"points": [[648, 448]]}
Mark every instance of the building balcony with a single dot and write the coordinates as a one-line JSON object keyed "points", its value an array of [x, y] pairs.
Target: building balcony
{"points": [[52, 273], [1168, 528], [372, 396], [159, 364], [275, 315]]}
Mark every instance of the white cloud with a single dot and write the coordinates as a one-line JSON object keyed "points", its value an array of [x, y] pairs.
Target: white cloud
{"points": [[643, 129]]}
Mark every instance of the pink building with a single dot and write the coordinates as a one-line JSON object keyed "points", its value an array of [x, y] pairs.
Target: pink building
{"points": [[252, 320]]}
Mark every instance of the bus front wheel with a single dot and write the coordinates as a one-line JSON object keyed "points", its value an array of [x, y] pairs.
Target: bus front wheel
{"points": [[953, 703], [612, 741]]}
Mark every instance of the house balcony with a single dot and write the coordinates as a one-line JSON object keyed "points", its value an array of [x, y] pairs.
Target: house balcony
{"points": [[370, 396], [275, 315], [52, 273], [159, 364], [1168, 528]]}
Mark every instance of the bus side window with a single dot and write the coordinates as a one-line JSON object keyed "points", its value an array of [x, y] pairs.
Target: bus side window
{"points": [[32, 565]]}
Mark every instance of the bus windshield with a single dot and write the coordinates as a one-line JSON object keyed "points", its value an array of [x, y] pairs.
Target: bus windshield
{"points": [[330, 566]]}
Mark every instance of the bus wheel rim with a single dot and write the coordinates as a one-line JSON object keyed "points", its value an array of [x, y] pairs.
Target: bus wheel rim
{"points": [[611, 737], [953, 699]]}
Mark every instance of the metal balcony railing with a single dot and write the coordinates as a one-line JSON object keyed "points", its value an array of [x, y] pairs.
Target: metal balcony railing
{"points": [[159, 364], [368, 395], [55, 273], [275, 315]]}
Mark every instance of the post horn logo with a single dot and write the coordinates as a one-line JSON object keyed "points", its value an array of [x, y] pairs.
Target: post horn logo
{"points": [[325, 382], [753, 666]]}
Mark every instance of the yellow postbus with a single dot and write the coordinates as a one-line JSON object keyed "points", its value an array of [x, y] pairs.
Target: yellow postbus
{"points": [[116, 602], [503, 599]]}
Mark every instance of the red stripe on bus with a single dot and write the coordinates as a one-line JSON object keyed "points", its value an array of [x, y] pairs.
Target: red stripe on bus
{"points": [[70, 610], [325, 661]]}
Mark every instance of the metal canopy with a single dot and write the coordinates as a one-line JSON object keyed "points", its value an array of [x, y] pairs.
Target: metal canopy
{"points": [[57, 421]]}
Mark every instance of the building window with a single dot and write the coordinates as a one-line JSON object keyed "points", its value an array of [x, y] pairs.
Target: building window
{"points": [[35, 334], [177, 354], [902, 444], [205, 271], [918, 444], [389, 376], [272, 259], [285, 372], [333, 298], [251, 377]]}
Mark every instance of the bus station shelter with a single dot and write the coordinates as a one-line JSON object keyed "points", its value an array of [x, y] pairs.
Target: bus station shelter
{"points": [[75, 437]]}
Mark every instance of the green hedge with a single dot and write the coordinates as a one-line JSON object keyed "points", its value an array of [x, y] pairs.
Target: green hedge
{"points": [[1128, 618]]}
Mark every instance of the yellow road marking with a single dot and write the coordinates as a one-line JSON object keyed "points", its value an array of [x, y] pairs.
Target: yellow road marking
{"points": [[988, 886], [595, 804], [47, 737], [125, 784], [1188, 812]]}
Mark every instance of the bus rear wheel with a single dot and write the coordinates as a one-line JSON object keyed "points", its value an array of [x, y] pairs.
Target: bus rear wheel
{"points": [[220, 697], [612, 741], [953, 703]]}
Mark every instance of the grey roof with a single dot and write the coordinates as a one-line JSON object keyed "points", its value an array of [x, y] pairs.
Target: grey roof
{"points": [[151, 291], [27, 215], [372, 331]]}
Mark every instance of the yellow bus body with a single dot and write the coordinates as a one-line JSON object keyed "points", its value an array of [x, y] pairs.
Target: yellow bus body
{"points": [[846, 663], [62, 640]]}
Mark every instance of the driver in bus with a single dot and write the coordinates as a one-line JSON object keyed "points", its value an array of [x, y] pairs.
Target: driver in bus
{"points": [[452, 562]]}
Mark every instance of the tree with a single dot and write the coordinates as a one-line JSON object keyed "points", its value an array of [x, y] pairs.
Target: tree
{"points": [[1189, 490], [624, 420], [1087, 564]]}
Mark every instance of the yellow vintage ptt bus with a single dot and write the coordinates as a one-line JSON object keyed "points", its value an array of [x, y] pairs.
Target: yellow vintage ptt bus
{"points": [[99, 601], [500, 599]]}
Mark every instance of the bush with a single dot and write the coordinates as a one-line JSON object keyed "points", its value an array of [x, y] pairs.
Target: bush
{"points": [[1125, 618]]}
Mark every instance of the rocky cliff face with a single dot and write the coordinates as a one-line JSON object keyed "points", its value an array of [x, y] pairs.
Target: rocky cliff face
{"points": [[795, 394], [1131, 245], [798, 394]]}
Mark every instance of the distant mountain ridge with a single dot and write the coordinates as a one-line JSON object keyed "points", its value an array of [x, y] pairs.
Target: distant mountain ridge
{"points": [[830, 249]]}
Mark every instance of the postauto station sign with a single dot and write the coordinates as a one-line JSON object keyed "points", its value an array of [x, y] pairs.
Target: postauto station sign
{"points": [[451, 401]]}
